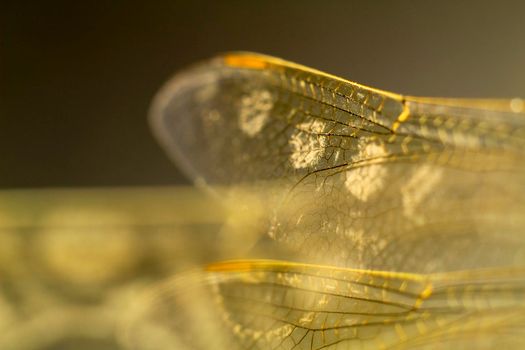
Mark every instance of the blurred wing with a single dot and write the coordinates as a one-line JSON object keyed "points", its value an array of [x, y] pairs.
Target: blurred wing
{"points": [[354, 176], [72, 259], [280, 305]]}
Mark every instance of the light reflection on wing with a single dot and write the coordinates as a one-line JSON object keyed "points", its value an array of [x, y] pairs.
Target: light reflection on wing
{"points": [[278, 305], [354, 176]]}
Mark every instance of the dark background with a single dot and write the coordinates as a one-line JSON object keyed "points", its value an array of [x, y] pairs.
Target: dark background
{"points": [[76, 78]]}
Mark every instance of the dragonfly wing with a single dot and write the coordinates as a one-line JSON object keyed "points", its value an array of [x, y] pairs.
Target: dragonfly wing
{"points": [[281, 305], [354, 176]]}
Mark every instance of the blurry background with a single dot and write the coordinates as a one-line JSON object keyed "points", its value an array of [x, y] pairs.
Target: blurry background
{"points": [[76, 78]]}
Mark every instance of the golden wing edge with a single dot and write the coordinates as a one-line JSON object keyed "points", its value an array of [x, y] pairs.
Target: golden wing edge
{"points": [[243, 59], [442, 278], [244, 265]]}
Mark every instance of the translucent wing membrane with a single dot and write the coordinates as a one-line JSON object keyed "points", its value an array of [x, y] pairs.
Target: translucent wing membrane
{"points": [[276, 305], [354, 176]]}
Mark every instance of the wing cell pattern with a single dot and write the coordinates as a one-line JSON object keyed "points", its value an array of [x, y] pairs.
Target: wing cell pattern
{"points": [[280, 305], [353, 176]]}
